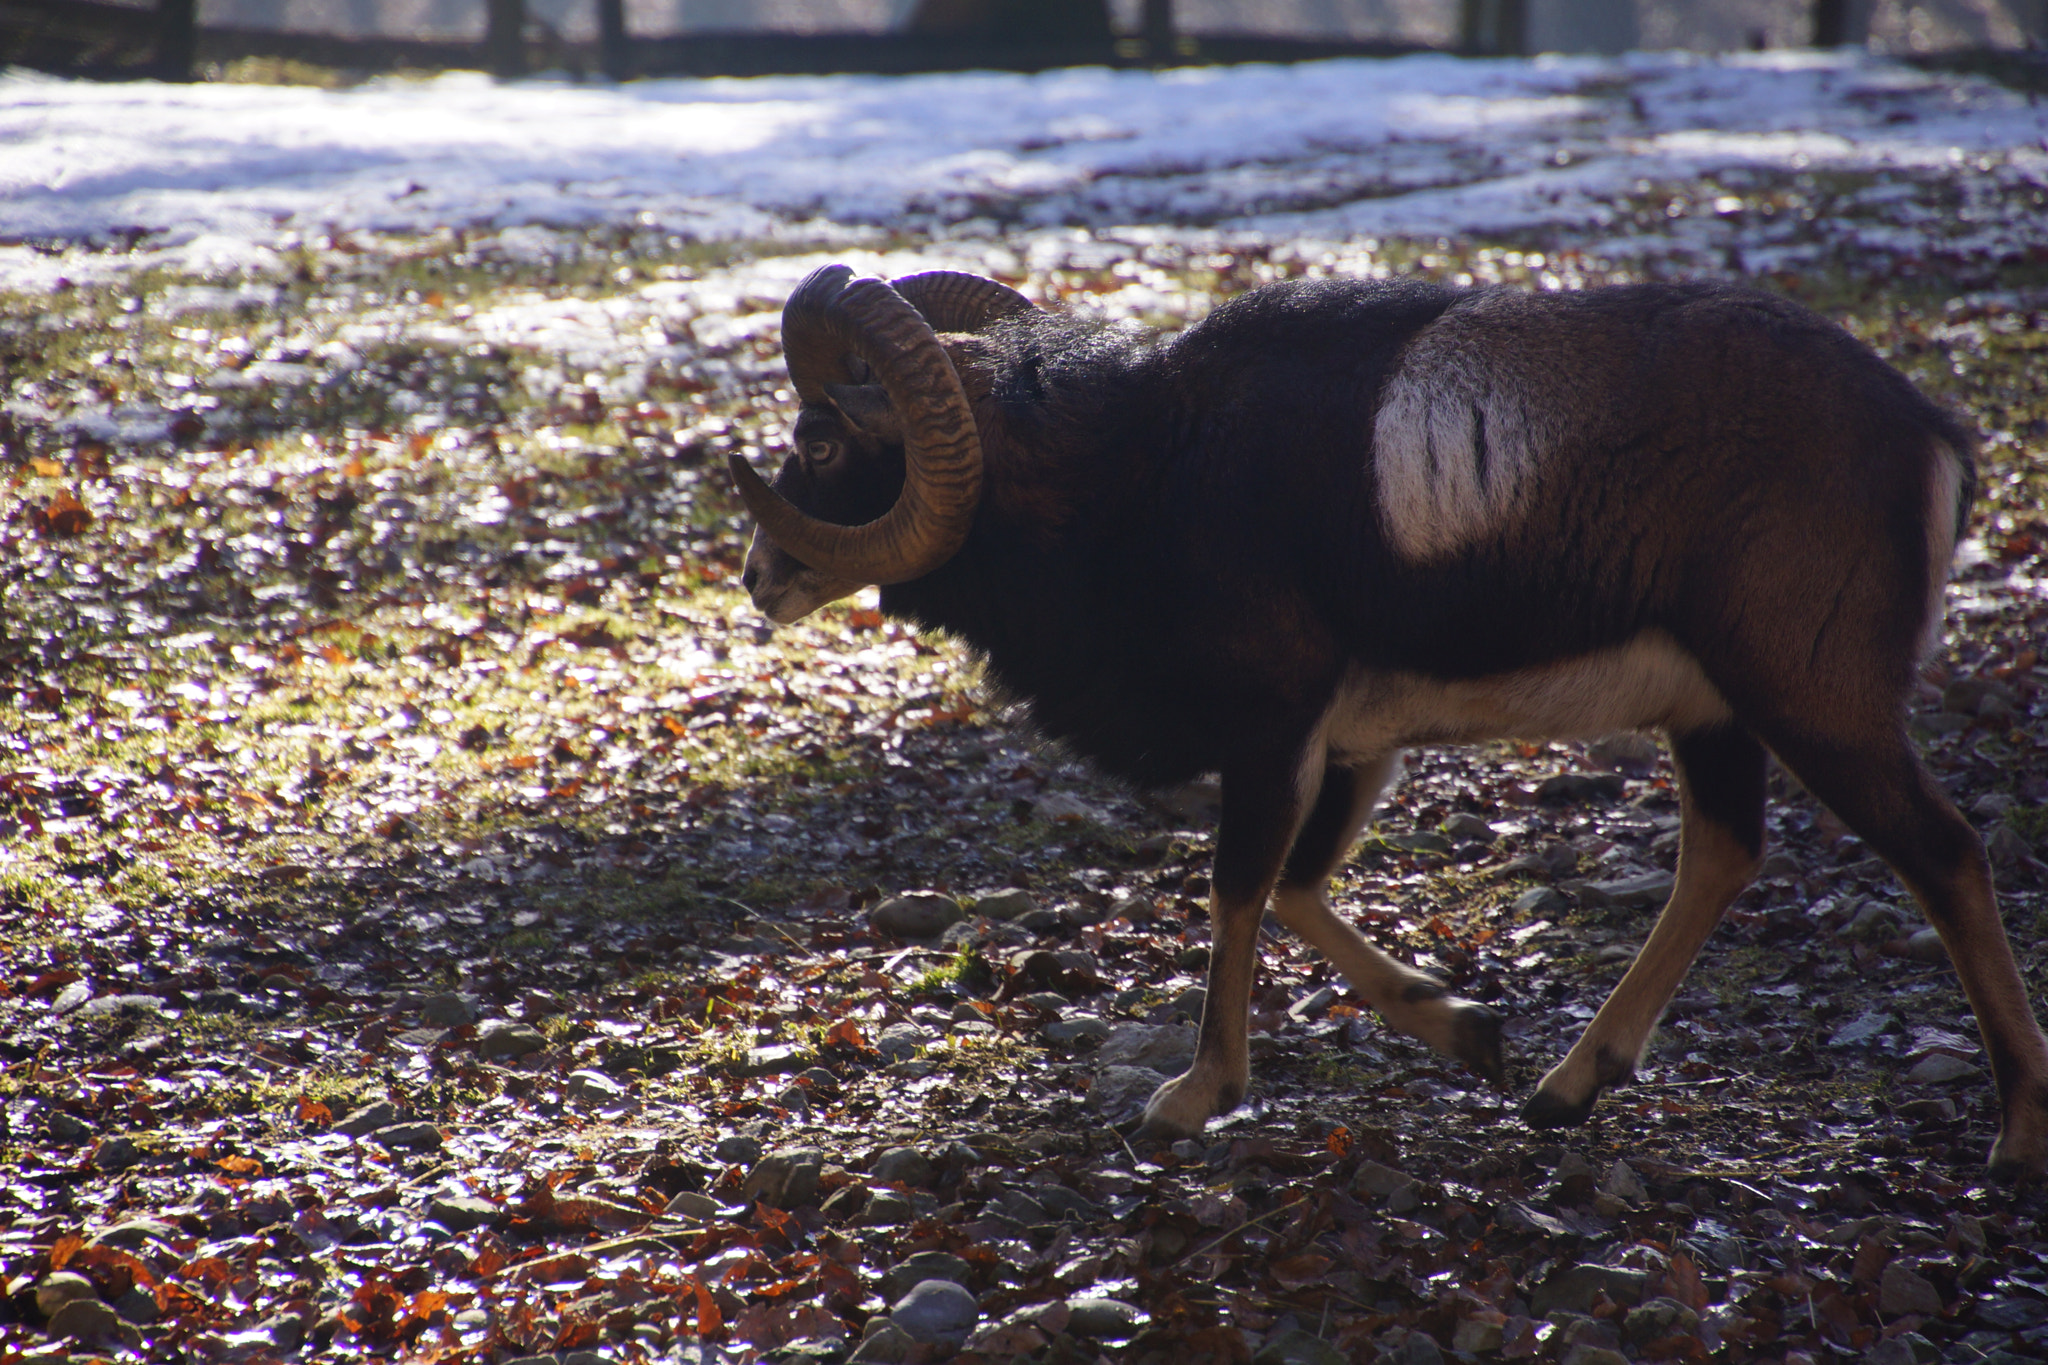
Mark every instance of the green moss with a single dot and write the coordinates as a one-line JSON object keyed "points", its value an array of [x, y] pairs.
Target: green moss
{"points": [[966, 964]]}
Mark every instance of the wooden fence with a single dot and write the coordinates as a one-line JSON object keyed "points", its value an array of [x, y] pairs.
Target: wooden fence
{"points": [[95, 38]]}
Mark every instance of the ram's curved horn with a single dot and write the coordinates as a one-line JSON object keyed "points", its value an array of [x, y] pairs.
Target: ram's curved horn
{"points": [[811, 348], [941, 447], [955, 302]]}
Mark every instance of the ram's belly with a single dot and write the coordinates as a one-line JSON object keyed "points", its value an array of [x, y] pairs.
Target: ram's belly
{"points": [[1648, 682]]}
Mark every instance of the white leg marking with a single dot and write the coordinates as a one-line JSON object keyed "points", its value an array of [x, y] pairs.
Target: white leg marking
{"points": [[1713, 868]]}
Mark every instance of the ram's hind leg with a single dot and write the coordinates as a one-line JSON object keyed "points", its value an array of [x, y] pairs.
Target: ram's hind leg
{"points": [[1409, 1001], [1888, 798], [1721, 839]]}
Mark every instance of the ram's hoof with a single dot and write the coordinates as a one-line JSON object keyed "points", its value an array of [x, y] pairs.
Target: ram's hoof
{"points": [[1173, 1113], [1545, 1110], [1476, 1041], [2021, 1152]]}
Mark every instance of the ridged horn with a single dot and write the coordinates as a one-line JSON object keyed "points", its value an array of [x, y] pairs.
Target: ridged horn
{"points": [[941, 448], [810, 347], [956, 302]]}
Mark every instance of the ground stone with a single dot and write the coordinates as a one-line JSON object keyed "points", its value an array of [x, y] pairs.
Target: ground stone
{"points": [[1103, 1319], [884, 1342], [116, 1153], [411, 1137], [776, 1059], [937, 1311], [845, 1203], [1541, 901], [369, 1118], [1925, 945], [787, 1178], [738, 1150], [131, 1233], [921, 914], [1902, 1291], [1863, 1030], [121, 1004], [90, 1320], [1398, 1188], [449, 1009], [1657, 1319], [690, 1204], [1421, 1349], [1585, 1353], [138, 1305], [1966, 696], [594, 1087], [1515, 1214], [1120, 1092], [1939, 1068], [1478, 1335], [1651, 888], [287, 1331], [507, 1040], [900, 1042], [1875, 921], [68, 1129], [1297, 1347], [900, 1279], [1010, 903], [1466, 826], [1630, 752], [2009, 1314], [1065, 1031], [1164, 1048], [886, 1209], [1574, 1287], [902, 1166], [1623, 1183], [461, 1213], [1566, 788], [62, 1287]]}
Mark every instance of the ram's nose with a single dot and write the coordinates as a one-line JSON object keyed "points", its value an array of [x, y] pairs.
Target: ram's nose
{"points": [[750, 577]]}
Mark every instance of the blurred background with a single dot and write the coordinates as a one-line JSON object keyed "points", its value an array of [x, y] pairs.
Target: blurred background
{"points": [[622, 39]]}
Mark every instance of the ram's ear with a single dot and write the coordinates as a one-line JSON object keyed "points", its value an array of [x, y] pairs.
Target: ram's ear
{"points": [[867, 409]]}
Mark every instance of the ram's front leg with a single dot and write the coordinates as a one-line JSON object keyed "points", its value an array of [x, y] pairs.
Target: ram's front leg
{"points": [[1263, 800]]}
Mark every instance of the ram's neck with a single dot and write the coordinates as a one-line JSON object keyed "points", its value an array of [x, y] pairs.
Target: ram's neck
{"points": [[1026, 589]]}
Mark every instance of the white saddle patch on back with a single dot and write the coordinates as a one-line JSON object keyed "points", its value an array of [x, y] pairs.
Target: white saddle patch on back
{"points": [[1460, 430], [1945, 485]]}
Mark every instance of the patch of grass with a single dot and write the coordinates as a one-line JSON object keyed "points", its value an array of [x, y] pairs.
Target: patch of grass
{"points": [[965, 965], [2030, 823], [281, 71]]}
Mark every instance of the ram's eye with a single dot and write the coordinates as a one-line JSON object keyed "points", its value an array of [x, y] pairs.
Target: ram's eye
{"points": [[820, 452]]}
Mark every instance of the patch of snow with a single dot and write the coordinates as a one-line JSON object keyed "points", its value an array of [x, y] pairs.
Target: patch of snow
{"points": [[225, 181]]}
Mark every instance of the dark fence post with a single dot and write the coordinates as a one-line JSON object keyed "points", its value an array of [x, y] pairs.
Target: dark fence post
{"points": [[1494, 28], [614, 58], [505, 38], [177, 38], [1158, 31], [1830, 23]]}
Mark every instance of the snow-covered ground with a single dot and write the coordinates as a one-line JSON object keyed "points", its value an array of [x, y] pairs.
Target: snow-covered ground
{"points": [[218, 180]]}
